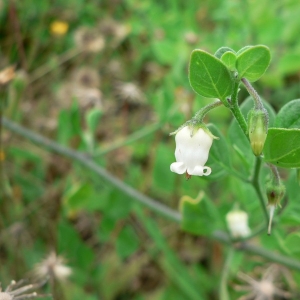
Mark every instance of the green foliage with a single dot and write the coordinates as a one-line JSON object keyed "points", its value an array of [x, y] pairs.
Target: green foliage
{"points": [[289, 115], [199, 216], [93, 118], [252, 62], [238, 139], [219, 154], [117, 249], [221, 51], [127, 242], [208, 76], [282, 147], [229, 59], [291, 243]]}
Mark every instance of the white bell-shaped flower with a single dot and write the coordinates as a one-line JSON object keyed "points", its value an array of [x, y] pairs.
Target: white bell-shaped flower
{"points": [[237, 222], [191, 153]]}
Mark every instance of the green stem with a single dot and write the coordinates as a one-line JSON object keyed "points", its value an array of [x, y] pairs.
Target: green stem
{"points": [[258, 103], [5, 191], [235, 109], [256, 185], [90, 164], [223, 291], [252, 249], [276, 176], [203, 111]]}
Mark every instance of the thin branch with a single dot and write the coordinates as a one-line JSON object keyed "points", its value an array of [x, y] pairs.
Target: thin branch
{"points": [[90, 164], [252, 249], [147, 201]]}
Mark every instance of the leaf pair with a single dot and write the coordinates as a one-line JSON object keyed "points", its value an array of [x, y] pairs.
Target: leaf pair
{"points": [[214, 76]]}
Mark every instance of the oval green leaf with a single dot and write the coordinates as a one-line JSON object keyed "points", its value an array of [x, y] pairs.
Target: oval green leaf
{"points": [[197, 214], [229, 59], [222, 50], [209, 77], [253, 62], [282, 147], [243, 49], [289, 115]]}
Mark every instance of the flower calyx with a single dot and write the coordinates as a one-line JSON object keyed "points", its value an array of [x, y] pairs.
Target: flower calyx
{"points": [[275, 192], [258, 120], [194, 125]]}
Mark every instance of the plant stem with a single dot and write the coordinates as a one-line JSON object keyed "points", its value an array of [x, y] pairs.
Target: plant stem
{"points": [[252, 249], [256, 185], [90, 164], [147, 201], [276, 176], [204, 110], [253, 93], [235, 109], [223, 291]]}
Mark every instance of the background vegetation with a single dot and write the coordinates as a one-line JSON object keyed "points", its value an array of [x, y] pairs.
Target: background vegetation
{"points": [[109, 80]]}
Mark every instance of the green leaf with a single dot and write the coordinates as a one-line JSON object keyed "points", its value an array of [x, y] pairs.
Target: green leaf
{"points": [[219, 150], [170, 263], [253, 62], [92, 118], [199, 216], [222, 50], [289, 115], [292, 243], [243, 49], [82, 197], [229, 59], [127, 242], [282, 147], [208, 76]]}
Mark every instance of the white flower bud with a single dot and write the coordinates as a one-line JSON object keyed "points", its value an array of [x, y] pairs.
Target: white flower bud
{"points": [[191, 153], [237, 222]]}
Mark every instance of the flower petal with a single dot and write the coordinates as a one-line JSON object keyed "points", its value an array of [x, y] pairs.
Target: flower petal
{"points": [[206, 171], [178, 167], [199, 171]]}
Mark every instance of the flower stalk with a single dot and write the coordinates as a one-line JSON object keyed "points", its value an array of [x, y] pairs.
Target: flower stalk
{"points": [[199, 116], [257, 101]]}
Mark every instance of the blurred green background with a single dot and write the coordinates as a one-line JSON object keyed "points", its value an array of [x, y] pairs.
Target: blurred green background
{"points": [[110, 79]]}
